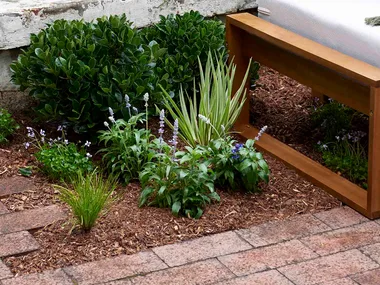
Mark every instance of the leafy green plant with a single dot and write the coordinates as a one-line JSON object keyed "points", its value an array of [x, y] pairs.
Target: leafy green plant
{"points": [[76, 70], [238, 165], [182, 181], [58, 158], [186, 37], [7, 125], [347, 158], [127, 148], [332, 119], [217, 109], [89, 197]]}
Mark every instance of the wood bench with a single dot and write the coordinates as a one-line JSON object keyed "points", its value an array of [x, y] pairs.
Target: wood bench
{"points": [[328, 72]]}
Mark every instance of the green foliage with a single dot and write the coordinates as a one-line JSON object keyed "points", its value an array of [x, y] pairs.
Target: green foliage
{"points": [[332, 119], [88, 198], [347, 158], [186, 37], [183, 182], [76, 70], [25, 171], [7, 125], [238, 165], [217, 109], [61, 162], [127, 148]]}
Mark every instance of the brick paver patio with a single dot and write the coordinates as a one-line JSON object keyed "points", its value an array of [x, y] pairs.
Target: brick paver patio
{"points": [[336, 247]]}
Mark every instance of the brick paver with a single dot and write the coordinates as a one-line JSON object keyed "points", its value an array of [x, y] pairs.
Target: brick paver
{"points": [[115, 268], [201, 248], [4, 271], [56, 277], [341, 217], [272, 277], [273, 256], [13, 185], [341, 281], [328, 268], [17, 243], [343, 239], [30, 219], [3, 209], [202, 272], [373, 251], [368, 278], [275, 232]]}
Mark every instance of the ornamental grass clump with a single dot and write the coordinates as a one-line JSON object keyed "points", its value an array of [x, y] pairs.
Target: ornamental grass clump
{"points": [[89, 196], [216, 102], [7, 125]]}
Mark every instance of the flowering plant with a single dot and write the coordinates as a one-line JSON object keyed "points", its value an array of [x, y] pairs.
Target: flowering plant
{"points": [[59, 158], [238, 165]]}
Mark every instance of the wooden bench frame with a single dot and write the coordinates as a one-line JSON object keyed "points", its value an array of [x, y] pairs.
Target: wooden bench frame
{"points": [[326, 71]]}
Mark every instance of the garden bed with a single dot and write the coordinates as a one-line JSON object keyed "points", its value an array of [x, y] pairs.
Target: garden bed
{"points": [[127, 229]]}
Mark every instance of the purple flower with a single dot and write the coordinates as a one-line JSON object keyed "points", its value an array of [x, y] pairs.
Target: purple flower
{"points": [[174, 140], [162, 124], [261, 132], [87, 144], [27, 145]]}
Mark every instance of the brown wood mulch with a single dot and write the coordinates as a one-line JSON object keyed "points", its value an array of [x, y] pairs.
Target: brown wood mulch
{"points": [[127, 229]]}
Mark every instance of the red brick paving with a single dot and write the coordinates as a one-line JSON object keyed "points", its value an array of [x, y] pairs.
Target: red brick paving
{"points": [[30, 219], [13, 185], [328, 268], [56, 277], [274, 232], [115, 268], [273, 256], [337, 247], [201, 248], [17, 243], [344, 239], [368, 278], [3, 209], [4, 271]]}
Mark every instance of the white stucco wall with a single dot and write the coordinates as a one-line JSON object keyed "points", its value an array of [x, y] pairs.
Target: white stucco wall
{"points": [[20, 18]]}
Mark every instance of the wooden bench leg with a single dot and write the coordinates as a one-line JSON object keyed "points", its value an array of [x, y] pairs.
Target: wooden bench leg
{"points": [[373, 195], [235, 43]]}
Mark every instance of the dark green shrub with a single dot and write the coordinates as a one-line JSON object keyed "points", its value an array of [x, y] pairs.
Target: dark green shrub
{"points": [[332, 119], [76, 70], [186, 37], [7, 125]]}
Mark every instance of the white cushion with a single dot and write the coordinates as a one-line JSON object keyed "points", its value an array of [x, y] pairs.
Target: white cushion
{"points": [[338, 24]]}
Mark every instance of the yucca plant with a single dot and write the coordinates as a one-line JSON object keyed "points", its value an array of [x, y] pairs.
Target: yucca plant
{"points": [[89, 197], [217, 110]]}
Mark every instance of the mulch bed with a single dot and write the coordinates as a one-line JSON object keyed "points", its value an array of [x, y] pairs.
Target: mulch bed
{"points": [[127, 229]]}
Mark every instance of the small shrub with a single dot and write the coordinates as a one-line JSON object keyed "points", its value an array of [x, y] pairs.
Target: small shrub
{"points": [[217, 109], [76, 70], [347, 158], [127, 148], [59, 159], [182, 181], [238, 165], [89, 197], [7, 125], [332, 119], [186, 37]]}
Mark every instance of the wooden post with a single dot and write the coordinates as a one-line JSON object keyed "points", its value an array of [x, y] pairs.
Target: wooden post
{"points": [[373, 195], [235, 42]]}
